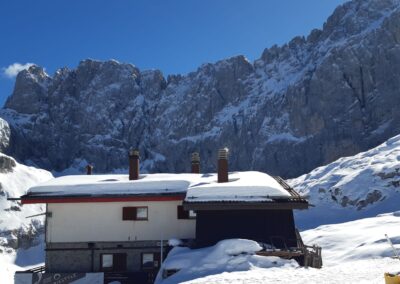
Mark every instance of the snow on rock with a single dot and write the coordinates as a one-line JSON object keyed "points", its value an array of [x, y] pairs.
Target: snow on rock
{"points": [[4, 134], [353, 187], [21, 242], [13, 183], [226, 255], [21, 259]]}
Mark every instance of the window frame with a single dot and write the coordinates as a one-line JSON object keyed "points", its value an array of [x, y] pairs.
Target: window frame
{"points": [[185, 214], [156, 258], [102, 268], [130, 213], [115, 262]]}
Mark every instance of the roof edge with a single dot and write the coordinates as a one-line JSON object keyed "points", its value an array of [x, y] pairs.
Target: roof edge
{"points": [[26, 199]]}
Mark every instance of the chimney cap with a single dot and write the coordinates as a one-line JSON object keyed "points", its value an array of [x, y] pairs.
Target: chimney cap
{"points": [[134, 153], [195, 157], [223, 153]]}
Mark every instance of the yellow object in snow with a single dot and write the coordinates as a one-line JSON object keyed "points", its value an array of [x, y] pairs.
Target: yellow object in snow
{"points": [[392, 279]]}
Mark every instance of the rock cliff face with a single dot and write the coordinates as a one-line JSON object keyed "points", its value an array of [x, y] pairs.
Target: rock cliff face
{"points": [[301, 105], [4, 135]]}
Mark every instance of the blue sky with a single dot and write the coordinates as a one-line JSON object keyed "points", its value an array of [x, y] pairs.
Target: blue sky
{"points": [[175, 36]]}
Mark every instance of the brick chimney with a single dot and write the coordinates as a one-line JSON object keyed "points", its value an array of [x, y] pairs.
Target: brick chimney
{"points": [[223, 165], [133, 164], [89, 169], [195, 163]]}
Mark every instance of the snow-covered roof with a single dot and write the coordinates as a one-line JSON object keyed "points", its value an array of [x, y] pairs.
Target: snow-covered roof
{"points": [[114, 185], [242, 186]]}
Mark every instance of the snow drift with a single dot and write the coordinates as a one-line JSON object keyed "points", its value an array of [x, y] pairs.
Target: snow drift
{"points": [[353, 252], [226, 255]]}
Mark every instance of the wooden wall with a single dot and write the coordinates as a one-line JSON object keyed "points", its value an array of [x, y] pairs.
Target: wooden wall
{"points": [[258, 225]]}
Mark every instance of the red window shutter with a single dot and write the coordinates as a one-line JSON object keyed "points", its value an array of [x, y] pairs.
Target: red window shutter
{"points": [[128, 213], [182, 214]]}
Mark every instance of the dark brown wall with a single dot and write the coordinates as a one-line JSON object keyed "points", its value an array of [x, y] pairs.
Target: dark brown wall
{"points": [[257, 225]]}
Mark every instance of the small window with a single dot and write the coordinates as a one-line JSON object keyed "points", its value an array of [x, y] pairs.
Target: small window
{"points": [[184, 214], [107, 261], [141, 213], [134, 213], [113, 262], [150, 260]]}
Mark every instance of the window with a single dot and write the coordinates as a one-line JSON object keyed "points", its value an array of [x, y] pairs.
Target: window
{"points": [[147, 260], [134, 213], [107, 261], [184, 214], [113, 262], [141, 213], [150, 260]]}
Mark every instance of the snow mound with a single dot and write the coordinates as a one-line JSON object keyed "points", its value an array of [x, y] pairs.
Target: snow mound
{"points": [[353, 252], [226, 255], [353, 187]]}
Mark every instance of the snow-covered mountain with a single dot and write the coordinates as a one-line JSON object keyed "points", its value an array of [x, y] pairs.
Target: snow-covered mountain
{"points": [[301, 105], [18, 233], [15, 229], [353, 187]]}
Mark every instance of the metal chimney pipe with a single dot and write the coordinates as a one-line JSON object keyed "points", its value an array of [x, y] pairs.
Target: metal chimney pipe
{"points": [[223, 165], [133, 164], [195, 163], [89, 169]]}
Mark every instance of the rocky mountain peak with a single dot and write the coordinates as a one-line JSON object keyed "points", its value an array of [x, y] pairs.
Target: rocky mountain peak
{"points": [[301, 105]]}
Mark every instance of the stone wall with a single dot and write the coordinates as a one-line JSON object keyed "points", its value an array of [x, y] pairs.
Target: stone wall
{"points": [[77, 257]]}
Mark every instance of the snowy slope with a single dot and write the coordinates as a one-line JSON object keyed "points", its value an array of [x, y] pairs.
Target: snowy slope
{"points": [[353, 252], [353, 187], [19, 235], [14, 183]]}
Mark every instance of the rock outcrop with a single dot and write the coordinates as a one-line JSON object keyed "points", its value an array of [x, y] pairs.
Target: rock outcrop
{"points": [[4, 135], [301, 105]]}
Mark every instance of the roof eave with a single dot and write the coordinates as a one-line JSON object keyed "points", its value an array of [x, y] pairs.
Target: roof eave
{"points": [[40, 199], [245, 205]]}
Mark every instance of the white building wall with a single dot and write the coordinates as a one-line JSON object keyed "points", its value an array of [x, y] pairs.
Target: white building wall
{"points": [[102, 222]]}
